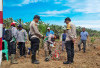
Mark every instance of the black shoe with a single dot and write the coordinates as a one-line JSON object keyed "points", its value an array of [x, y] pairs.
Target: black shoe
{"points": [[46, 59], [25, 56], [83, 51], [67, 62], [36, 62], [79, 49]]}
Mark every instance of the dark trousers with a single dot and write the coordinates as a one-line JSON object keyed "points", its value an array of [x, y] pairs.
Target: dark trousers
{"points": [[70, 50], [34, 47], [11, 48], [21, 46], [84, 45], [3, 49]]}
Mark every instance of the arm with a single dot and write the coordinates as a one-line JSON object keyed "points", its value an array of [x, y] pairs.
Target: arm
{"points": [[25, 35], [87, 35], [46, 34], [73, 32], [36, 30], [16, 34], [52, 32], [61, 37]]}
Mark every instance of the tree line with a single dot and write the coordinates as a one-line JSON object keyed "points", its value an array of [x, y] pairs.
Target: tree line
{"points": [[42, 26]]}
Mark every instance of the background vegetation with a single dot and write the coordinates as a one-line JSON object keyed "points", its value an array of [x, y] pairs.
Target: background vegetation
{"points": [[43, 27]]}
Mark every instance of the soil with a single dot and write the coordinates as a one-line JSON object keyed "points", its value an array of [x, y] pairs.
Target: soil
{"points": [[90, 59]]}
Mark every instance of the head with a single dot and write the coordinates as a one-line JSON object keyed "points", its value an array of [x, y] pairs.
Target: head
{"points": [[20, 27], [67, 20], [36, 18], [64, 31], [48, 29], [13, 24], [3, 25], [83, 29]]}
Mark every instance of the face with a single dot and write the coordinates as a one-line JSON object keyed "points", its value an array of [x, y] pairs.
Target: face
{"points": [[83, 29], [67, 22], [36, 20], [48, 29], [64, 31], [20, 28]]}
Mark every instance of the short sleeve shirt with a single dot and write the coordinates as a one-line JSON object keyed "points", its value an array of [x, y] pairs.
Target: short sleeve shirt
{"points": [[84, 35]]}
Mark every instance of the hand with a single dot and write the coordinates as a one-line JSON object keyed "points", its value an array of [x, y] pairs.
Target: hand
{"points": [[17, 42], [74, 40], [26, 42]]}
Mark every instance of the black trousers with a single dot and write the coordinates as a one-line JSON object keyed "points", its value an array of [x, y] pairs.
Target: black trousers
{"points": [[11, 48], [22, 48], [84, 45], [34, 47], [3, 49], [70, 50]]}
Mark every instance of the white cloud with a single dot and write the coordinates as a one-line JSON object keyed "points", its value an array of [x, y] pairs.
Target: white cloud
{"points": [[85, 6], [92, 24], [52, 15], [56, 12], [29, 1]]}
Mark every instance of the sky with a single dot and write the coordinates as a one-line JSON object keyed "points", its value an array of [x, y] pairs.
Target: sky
{"points": [[84, 13]]}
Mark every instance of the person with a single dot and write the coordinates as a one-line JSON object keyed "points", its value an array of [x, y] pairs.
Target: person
{"points": [[21, 39], [49, 31], [70, 40], [35, 36], [48, 44], [47, 48], [3, 38], [3, 35], [63, 38], [12, 43], [83, 39]]}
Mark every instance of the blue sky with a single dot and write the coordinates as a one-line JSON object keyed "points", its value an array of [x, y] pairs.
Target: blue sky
{"points": [[85, 13]]}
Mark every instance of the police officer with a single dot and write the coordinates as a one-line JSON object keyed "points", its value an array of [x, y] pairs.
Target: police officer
{"points": [[70, 40], [35, 36]]}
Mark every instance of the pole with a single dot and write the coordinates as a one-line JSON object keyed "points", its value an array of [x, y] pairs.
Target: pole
{"points": [[1, 24]]}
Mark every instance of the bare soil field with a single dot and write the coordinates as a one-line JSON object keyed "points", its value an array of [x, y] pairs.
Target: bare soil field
{"points": [[90, 59]]}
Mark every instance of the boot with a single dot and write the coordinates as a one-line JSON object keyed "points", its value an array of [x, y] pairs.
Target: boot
{"points": [[13, 61], [67, 62], [34, 61], [46, 56]]}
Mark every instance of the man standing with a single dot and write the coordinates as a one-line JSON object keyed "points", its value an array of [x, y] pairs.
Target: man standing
{"points": [[11, 38], [83, 38], [63, 38], [21, 39], [3, 35], [3, 38], [35, 36], [70, 40]]}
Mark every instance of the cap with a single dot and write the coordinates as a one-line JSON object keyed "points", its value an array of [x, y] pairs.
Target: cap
{"points": [[48, 28], [13, 24], [36, 16], [20, 26], [67, 19]]}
